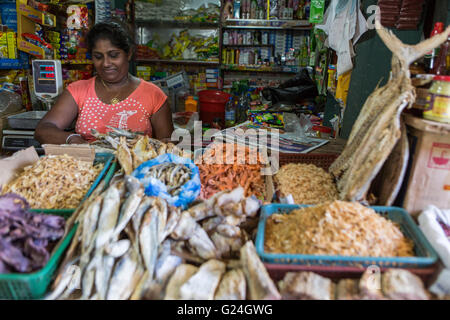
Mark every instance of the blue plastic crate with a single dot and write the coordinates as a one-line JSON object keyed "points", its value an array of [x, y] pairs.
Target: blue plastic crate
{"points": [[425, 254]]}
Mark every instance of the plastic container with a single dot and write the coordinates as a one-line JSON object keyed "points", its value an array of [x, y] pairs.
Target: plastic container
{"points": [[438, 101], [278, 271], [425, 254], [26, 286], [107, 159], [323, 161], [212, 105], [190, 105]]}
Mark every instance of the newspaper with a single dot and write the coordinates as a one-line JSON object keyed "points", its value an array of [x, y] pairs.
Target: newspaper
{"points": [[249, 135]]}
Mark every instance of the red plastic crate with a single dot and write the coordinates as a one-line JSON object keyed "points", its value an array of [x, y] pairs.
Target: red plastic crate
{"points": [[278, 271], [323, 161]]}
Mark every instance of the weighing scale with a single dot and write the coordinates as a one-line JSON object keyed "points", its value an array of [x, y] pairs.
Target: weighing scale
{"points": [[47, 76]]}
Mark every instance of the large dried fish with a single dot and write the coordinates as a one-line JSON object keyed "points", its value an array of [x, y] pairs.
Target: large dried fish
{"points": [[306, 286], [181, 275], [108, 215], [261, 286], [203, 284], [232, 286], [377, 129], [148, 240], [122, 275]]}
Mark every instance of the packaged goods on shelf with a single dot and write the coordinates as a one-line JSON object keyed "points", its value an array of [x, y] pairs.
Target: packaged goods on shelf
{"points": [[177, 10], [258, 9]]}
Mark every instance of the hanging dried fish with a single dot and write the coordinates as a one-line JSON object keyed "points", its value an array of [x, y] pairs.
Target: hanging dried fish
{"points": [[377, 129]]}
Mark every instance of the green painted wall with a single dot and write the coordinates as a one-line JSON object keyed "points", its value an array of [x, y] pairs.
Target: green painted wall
{"points": [[372, 64]]}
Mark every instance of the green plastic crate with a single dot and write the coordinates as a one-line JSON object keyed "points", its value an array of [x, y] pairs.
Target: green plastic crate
{"points": [[107, 171], [20, 286], [27, 286]]}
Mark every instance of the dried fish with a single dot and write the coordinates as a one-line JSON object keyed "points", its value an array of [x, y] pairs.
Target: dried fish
{"points": [[261, 286], [306, 286], [108, 215], [378, 126], [181, 275], [203, 284], [122, 275], [232, 286], [148, 240], [124, 156], [173, 175]]}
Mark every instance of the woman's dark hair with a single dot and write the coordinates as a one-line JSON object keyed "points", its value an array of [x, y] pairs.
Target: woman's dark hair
{"points": [[112, 31]]}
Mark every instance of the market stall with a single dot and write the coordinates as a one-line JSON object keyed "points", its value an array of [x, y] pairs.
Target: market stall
{"points": [[260, 199]]}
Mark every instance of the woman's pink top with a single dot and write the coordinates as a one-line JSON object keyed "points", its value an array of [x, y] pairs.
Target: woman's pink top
{"points": [[131, 114]]}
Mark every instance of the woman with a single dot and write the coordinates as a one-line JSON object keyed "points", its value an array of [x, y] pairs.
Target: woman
{"points": [[112, 98]]}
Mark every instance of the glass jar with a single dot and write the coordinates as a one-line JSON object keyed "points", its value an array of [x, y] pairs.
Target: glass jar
{"points": [[438, 101]]}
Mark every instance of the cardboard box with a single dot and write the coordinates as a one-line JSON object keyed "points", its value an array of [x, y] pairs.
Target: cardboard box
{"points": [[428, 176]]}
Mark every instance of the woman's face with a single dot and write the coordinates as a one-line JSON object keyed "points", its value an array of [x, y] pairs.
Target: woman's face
{"points": [[110, 62]]}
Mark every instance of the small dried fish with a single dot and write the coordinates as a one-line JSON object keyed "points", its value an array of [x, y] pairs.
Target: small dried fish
{"points": [[172, 175]]}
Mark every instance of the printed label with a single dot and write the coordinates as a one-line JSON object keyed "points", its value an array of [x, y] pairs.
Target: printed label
{"points": [[439, 156]]}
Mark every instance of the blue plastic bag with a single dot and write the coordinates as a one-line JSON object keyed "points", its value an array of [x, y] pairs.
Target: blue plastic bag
{"points": [[155, 188]]}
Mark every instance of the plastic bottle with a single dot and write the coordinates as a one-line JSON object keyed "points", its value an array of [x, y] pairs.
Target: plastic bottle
{"points": [[190, 105], [230, 113], [442, 65], [431, 56], [253, 8]]}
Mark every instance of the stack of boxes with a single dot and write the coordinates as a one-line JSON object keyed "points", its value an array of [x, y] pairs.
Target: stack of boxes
{"points": [[8, 45], [9, 14], [144, 72], [212, 76]]}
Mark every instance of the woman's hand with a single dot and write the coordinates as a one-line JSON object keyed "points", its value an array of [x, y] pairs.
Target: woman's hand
{"points": [[76, 140]]}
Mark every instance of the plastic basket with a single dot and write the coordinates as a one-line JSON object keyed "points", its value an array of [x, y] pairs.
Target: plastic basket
{"points": [[18, 286], [323, 161], [425, 254], [107, 159]]}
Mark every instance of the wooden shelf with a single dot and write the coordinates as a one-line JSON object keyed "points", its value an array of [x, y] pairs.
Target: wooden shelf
{"points": [[209, 63]]}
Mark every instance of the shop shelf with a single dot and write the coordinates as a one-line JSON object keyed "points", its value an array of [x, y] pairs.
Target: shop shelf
{"points": [[177, 24], [45, 19], [12, 64], [267, 24], [260, 68], [30, 48], [208, 63], [73, 62], [425, 255], [248, 45]]}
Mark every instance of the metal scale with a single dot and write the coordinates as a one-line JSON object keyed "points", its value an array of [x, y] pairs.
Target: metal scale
{"points": [[47, 77]]}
